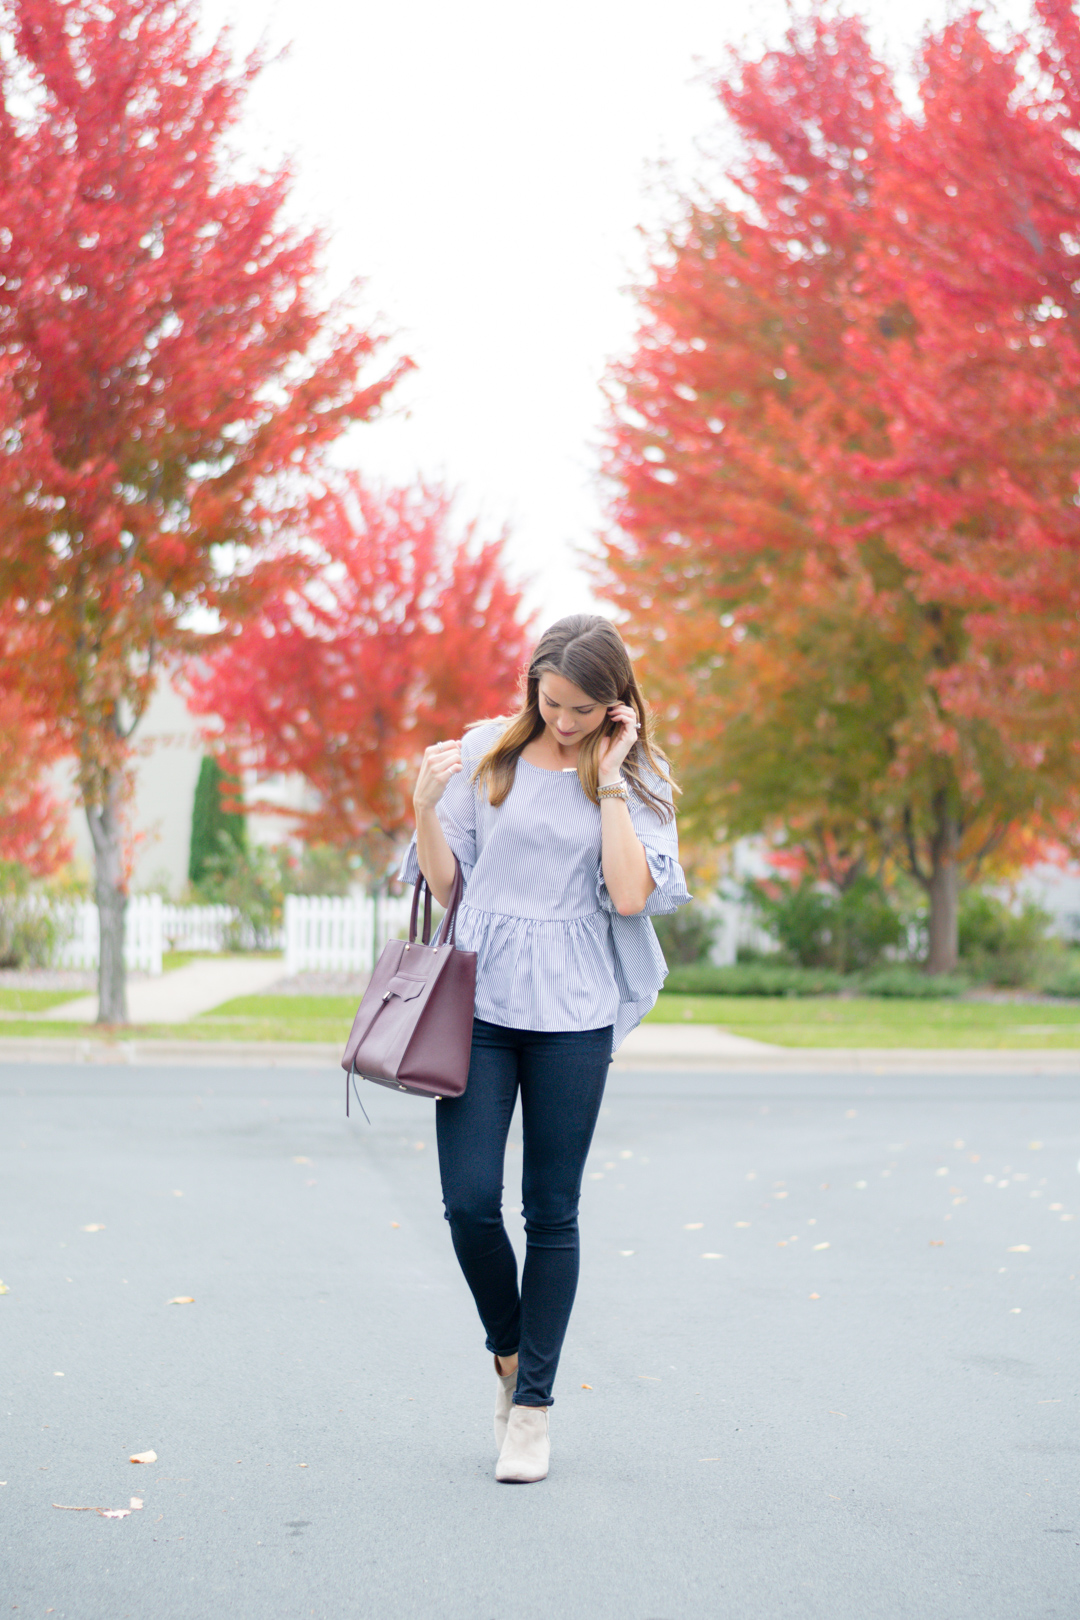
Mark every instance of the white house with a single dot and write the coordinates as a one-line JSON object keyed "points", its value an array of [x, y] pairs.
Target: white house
{"points": [[170, 750]]}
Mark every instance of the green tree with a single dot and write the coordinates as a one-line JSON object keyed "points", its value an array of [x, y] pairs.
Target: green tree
{"points": [[214, 825]]}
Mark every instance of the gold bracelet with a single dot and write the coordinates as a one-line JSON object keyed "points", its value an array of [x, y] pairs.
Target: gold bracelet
{"points": [[613, 790]]}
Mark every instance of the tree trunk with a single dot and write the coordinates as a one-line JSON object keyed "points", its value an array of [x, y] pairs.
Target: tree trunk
{"points": [[106, 831], [944, 890]]}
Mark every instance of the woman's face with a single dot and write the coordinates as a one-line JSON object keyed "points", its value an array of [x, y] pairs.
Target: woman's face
{"points": [[569, 714]]}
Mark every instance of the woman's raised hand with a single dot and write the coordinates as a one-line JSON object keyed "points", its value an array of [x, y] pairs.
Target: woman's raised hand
{"points": [[616, 747], [441, 761]]}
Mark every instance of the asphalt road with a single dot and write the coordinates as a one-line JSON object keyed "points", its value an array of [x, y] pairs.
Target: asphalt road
{"points": [[886, 1426]]}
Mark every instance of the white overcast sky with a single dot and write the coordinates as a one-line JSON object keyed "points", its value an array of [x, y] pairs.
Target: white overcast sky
{"points": [[485, 165]]}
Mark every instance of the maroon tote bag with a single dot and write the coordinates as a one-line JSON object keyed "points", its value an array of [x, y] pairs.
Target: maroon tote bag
{"points": [[413, 1029]]}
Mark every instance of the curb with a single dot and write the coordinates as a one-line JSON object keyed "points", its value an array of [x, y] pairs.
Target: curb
{"points": [[87, 1051]]}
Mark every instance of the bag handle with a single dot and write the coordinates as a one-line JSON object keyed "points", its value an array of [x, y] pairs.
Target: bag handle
{"points": [[421, 883], [449, 922]]}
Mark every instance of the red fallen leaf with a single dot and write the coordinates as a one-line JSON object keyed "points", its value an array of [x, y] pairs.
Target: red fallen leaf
{"points": [[143, 1457]]}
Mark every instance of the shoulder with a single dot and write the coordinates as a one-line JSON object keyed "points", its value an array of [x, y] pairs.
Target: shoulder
{"points": [[657, 781], [658, 784], [479, 737]]}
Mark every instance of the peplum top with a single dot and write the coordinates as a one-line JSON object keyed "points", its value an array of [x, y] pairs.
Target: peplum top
{"points": [[552, 951]]}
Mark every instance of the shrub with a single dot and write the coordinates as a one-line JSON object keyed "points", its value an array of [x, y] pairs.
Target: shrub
{"points": [[30, 929], [903, 980], [321, 869], [250, 881], [752, 979], [845, 929], [1064, 979], [1003, 945], [685, 935]]}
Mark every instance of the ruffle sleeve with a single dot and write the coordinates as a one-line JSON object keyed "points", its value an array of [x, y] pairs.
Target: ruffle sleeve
{"points": [[660, 841], [640, 968]]}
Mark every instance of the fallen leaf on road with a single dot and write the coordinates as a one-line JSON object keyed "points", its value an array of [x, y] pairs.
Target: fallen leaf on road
{"points": [[1033, 1147], [742, 1223], [836, 1414], [94, 1228], [299, 1159], [937, 1243], [782, 1244], [1019, 1248], [821, 1246], [815, 1296], [709, 1459], [395, 1223], [4, 1289], [183, 1299], [301, 1465], [143, 1457], [136, 1502], [693, 1226], [115, 1513], [586, 1386]]}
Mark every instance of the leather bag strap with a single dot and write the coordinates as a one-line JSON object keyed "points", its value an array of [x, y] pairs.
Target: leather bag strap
{"points": [[449, 922], [421, 883]]}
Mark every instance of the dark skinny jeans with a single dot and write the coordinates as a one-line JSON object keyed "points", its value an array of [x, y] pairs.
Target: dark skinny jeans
{"points": [[561, 1077]]}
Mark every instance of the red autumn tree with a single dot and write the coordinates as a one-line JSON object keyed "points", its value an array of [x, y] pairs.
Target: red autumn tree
{"points": [[33, 825], [170, 375], [409, 630], [845, 480]]}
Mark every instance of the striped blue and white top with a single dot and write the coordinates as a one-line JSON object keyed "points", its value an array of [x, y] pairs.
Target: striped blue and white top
{"points": [[552, 951]]}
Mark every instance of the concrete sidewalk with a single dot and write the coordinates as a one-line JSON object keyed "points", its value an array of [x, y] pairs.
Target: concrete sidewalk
{"points": [[185, 992]]}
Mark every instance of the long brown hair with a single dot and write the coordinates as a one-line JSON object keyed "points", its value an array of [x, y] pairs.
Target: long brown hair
{"points": [[588, 651]]}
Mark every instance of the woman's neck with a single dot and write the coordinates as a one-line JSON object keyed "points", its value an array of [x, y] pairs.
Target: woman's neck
{"points": [[551, 755]]}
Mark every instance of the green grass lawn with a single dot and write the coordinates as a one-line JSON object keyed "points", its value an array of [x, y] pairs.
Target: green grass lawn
{"points": [[782, 1021], [843, 1021], [35, 1000]]}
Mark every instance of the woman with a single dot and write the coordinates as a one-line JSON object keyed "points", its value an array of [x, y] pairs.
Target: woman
{"points": [[562, 821]]}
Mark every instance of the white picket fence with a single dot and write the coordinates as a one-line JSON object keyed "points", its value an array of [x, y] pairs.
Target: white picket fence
{"points": [[321, 934], [151, 927], [144, 938], [330, 935]]}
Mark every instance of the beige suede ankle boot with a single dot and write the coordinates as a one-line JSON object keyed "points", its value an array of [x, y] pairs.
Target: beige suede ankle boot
{"points": [[526, 1450], [504, 1395]]}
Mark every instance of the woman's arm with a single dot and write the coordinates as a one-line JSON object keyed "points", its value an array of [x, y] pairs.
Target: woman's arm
{"points": [[625, 867], [436, 859]]}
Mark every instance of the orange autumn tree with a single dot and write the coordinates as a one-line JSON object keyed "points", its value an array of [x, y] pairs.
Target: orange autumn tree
{"points": [[170, 377], [845, 473], [407, 629]]}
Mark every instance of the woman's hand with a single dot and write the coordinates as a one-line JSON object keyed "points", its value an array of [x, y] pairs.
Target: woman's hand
{"points": [[441, 761], [616, 747]]}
